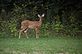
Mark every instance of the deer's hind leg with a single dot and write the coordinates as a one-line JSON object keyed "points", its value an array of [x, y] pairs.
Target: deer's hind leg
{"points": [[21, 31], [25, 31]]}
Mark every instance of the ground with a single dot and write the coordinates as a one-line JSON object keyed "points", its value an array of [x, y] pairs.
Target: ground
{"points": [[43, 45]]}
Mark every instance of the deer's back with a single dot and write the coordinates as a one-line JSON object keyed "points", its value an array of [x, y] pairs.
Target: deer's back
{"points": [[30, 24]]}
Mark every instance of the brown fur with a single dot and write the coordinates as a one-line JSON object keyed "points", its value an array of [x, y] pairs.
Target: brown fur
{"points": [[26, 24]]}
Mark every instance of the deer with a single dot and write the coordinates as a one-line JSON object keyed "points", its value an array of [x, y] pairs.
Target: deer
{"points": [[27, 24]]}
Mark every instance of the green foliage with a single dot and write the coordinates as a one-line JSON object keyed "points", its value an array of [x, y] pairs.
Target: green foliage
{"points": [[72, 25], [60, 16], [57, 26], [44, 29], [8, 28], [12, 27]]}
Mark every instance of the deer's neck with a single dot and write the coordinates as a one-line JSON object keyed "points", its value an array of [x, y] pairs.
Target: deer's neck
{"points": [[40, 20]]}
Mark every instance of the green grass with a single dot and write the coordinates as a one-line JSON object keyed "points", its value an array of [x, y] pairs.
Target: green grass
{"points": [[43, 45]]}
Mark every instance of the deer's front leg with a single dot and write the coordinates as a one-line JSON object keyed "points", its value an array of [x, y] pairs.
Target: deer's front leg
{"points": [[37, 32]]}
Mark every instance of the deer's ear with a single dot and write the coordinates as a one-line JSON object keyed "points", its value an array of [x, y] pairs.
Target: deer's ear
{"points": [[42, 15], [39, 15]]}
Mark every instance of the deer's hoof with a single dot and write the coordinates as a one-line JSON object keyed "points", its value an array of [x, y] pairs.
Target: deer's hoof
{"points": [[27, 37], [37, 37]]}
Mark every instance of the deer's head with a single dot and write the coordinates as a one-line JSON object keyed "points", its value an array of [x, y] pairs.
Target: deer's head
{"points": [[41, 16]]}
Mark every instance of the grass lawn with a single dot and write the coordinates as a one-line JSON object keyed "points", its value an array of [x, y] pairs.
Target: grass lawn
{"points": [[43, 45]]}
